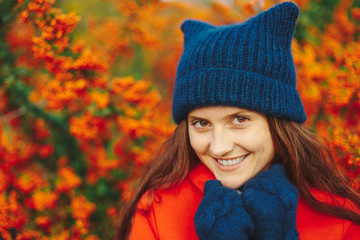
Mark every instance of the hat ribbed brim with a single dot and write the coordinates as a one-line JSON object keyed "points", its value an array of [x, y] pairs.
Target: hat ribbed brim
{"points": [[238, 88]]}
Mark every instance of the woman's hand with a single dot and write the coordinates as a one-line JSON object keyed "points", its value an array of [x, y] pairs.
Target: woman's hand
{"points": [[271, 201], [221, 214]]}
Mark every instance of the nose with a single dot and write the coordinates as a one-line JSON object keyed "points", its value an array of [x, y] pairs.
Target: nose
{"points": [[221, 143]]}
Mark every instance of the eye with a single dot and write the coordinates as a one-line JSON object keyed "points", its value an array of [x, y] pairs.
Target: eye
{"points": [[239, 120], [200, 124]]}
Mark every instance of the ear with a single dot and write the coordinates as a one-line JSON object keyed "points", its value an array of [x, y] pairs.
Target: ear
{"points": [[192, 27], [281, 20]]}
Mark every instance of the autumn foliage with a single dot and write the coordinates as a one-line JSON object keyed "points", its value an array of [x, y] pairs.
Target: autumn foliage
{"points": [[84, 103]]}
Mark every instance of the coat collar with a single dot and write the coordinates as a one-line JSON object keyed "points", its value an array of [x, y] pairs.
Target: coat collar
{"points": [[199, 175]]}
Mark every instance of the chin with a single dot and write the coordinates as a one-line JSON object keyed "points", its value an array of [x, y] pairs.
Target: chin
{"points": [[231, 184]]}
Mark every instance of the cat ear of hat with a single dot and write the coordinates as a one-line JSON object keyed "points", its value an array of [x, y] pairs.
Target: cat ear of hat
{"points": [[248, 65]]}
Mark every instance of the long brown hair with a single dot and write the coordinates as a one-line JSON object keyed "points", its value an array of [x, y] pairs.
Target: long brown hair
{"points": [[171, 166], [308, 164]]}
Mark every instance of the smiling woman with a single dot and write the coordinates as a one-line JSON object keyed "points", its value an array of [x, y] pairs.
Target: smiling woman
{"points": [[240, 165], [234, 143]]}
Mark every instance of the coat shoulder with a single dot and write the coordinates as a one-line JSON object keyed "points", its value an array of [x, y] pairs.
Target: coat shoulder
{"points": [[313, 224]]}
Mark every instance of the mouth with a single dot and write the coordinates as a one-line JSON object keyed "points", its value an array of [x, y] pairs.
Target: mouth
{"points": [[231, 162]]}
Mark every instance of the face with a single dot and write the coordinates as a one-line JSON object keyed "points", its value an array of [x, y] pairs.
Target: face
{"points": [[234, 143]]}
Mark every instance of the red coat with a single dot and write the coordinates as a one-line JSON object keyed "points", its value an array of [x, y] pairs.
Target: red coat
{"points": [[170, 215]]}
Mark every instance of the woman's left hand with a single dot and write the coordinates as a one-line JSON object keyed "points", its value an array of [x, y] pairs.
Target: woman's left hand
{"points": [[271, 201]]}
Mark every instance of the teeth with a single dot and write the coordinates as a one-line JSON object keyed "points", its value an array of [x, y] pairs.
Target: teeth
{"points": [[231, 162]]}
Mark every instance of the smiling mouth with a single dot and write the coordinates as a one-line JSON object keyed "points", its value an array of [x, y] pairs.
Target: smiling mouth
{"points": [[231, 162]]}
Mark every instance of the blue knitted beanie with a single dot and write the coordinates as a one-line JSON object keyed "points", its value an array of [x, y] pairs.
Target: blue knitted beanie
{"points": [[247, 65]]}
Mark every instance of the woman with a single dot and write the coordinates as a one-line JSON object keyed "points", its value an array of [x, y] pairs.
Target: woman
{"points": [[240, 117]]}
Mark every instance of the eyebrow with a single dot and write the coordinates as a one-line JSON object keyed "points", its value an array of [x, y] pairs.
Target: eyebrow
{"points": [[191, 117]]}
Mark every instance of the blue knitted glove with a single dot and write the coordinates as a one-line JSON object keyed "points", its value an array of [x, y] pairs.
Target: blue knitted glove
{"points": [[271, 201], [221, 214]]}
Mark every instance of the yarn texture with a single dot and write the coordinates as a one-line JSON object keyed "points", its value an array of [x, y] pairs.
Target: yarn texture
{"points": [[221, 215], [272, 201], [266, 209], [248, 65]]}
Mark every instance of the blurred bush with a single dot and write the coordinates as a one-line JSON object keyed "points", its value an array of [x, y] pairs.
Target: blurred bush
{"points": [[85, 98]]}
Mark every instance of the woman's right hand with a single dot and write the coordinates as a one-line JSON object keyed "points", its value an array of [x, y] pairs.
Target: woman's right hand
{"points": [[221, 215]]}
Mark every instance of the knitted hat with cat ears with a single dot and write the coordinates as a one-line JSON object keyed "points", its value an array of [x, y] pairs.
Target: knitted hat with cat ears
{"points": [[246, 65]]}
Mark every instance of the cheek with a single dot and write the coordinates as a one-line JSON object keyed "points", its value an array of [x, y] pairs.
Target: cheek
{"points": [[197, 142], [259, 143], [266, 148]]}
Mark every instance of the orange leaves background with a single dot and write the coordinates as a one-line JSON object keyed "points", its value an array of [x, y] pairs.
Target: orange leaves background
{"points": [[85, 99]]}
